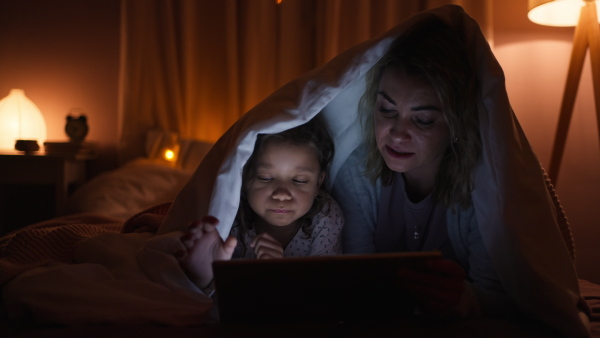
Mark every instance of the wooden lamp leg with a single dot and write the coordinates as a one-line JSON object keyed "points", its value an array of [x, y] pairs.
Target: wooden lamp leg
{"points": [[594, 45], [587, 34]]}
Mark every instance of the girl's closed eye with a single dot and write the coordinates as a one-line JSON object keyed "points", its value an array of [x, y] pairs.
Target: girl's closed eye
{"points": [[299, 181], [264, 179]]}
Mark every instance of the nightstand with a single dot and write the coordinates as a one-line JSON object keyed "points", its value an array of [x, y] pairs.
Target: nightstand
{"points": [[24, 177]]}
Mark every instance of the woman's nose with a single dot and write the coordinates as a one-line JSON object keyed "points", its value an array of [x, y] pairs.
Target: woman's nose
{"points": [[400, 130], [281, 193]]}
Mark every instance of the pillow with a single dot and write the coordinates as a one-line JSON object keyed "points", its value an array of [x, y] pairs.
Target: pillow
{"points": [[123, 192]]}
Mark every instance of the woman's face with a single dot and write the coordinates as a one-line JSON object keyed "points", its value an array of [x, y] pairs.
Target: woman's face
{"points": [[410, 129]]}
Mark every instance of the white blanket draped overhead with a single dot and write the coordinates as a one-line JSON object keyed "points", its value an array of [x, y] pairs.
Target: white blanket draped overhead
{"points": [[525, 244]]}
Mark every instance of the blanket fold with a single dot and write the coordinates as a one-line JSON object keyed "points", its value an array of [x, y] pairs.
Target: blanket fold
{"points": [[91, 269]]}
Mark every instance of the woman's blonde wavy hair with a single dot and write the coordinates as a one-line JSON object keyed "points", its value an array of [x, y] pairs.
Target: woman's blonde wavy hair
{"points": [[435, 52]]}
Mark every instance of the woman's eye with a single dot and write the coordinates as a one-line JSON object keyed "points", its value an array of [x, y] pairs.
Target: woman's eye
{"points": [[387, 112], [425, 122], [297, 181], [264, 179]]}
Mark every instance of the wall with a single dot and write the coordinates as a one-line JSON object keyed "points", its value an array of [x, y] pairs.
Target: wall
{"points": [[535, 61], [65, 54]]}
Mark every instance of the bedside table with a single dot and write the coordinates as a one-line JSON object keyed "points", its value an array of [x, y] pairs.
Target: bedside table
{"points": [[20, 172]]}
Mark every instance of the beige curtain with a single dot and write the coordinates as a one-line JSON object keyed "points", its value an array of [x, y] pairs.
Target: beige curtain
{"points": [[195, 66]]}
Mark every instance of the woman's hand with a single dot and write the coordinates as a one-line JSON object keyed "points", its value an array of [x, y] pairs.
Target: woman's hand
{"points": [[203, 246], [437, 285], [265, 247]]}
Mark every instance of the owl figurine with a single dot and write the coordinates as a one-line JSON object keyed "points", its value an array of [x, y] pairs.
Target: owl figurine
{"points": [[76, 128]]}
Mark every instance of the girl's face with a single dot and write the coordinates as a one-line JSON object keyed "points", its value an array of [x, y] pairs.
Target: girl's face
{"points": [[410, 129], [287, 180]]}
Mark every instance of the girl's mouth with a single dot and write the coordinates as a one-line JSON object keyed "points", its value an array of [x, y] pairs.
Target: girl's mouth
{"points": [[280, 211]]}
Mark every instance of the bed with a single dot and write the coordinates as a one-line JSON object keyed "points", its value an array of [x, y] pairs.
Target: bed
{"points": [[132, 201], [100, 305]]}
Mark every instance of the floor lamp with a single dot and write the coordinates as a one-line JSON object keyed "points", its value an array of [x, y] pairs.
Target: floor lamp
{"points": [[582, 14]]}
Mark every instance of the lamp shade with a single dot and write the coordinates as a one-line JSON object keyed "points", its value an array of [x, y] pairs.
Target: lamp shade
{"points": [[20, 119], [561, 13]]}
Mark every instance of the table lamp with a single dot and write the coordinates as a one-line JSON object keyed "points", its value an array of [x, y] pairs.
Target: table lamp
{"points": [[583, 14], [22, 125]]}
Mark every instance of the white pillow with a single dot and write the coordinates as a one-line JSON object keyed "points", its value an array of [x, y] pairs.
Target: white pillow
{"points": [[125, 191]]}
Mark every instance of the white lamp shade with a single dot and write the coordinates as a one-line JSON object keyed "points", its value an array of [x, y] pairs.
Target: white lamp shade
{"points": [[20, 119], [561, 13]]}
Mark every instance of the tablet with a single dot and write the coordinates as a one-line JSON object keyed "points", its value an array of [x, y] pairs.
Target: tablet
{"points": [[330, 288]]}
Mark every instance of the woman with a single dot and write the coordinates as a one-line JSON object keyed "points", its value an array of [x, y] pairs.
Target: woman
{"points": [[473, 184], [409, 186], [421, 144]]}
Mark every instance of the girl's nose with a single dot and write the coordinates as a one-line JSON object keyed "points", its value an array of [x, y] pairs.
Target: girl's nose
{"points": [[281, 193]]}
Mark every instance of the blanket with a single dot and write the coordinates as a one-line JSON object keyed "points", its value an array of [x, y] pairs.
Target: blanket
{"points": [[515, 214], [82, 271], [93, 269]]}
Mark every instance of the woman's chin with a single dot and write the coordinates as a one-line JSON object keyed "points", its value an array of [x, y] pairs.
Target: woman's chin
{"points": [[396, 165]]}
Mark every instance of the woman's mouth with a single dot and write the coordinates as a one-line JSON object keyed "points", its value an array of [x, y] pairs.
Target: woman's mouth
{"points": [[398, 154]]}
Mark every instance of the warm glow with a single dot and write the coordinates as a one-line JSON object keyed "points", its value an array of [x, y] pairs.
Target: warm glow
{"points": [[562, 13], [169, 155], [20, 119]]}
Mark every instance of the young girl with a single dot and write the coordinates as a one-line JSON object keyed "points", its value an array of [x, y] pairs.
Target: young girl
{"points": [[283, 210]]}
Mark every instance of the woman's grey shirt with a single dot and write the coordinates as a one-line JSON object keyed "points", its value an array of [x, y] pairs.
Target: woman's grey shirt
{"points": [[359, 200]]}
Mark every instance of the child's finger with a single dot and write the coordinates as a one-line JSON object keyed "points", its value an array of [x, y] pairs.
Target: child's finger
{"points": [[264, 238], [209, 223], [210, 220], [229, 245], [188, 239], [265, 248], [266, 253], [194, 226], [208, 227]]}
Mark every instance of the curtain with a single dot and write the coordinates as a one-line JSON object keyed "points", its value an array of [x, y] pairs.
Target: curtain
{"points": [[195, 66]]}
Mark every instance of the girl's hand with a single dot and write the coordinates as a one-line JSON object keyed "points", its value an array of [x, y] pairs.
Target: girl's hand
{"points": [[203, 246], [265, 247], [437, 285]]}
